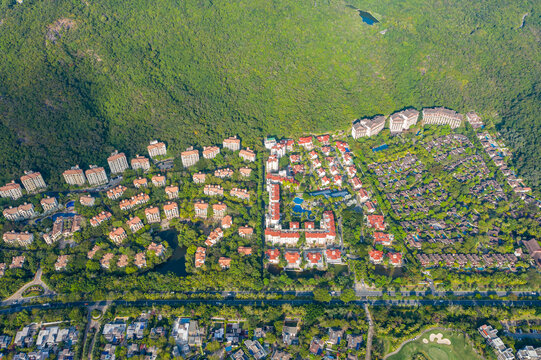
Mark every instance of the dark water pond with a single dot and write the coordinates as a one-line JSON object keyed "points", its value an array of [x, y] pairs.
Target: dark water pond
{"points": [[366, 16], [176, 263], [393, 272]]}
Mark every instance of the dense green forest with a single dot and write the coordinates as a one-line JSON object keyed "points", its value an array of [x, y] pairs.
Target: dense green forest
{"points": [[79, 78]]}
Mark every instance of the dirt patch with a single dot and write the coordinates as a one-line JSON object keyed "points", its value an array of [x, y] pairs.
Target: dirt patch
{"points": [[58, 28]]}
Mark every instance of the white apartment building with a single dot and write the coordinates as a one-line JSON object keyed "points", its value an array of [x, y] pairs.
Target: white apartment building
{"points": [[74, 176], [367, 127], [96, 175], [189, 157], [32, 181], [11, 190], [403, 120], [232, 143], [140, 162], [442, 116], [117, 162], [156, 149]]}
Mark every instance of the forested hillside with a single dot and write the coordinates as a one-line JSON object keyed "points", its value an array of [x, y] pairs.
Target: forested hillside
{"points": [[79, 78]]}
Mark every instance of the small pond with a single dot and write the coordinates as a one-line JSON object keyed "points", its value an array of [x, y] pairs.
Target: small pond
{"points": [[177, 262]]}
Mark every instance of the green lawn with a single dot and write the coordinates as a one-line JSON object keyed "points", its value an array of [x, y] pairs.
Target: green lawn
{"points": [[460, 348]]}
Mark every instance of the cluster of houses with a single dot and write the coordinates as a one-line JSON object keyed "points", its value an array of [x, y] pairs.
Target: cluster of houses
{"points": [[383, 240], [45, 341], [188, 337], [311, 258], [335, 337], [320, 243], [378, 257], [473, 261], [122, 260], [219, 210], [496, 149]]}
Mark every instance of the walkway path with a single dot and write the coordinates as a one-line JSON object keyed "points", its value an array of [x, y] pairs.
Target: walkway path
{"points": [[370, 332], [35, 282]]}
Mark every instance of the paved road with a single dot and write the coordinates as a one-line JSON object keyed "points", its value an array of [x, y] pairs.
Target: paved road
{"points": [[278, 302], [307, 295], [18, 295]]}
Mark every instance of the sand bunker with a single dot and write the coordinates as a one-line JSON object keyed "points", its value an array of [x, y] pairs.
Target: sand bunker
{"points": [[425, 341], [439, 339]]}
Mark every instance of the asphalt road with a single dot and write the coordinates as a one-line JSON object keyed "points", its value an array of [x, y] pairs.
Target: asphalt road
{"points": [[364, 295]]}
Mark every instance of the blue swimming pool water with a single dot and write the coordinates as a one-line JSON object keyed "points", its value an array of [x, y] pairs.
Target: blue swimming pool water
{"points": [[70, 204], [298, 201]]}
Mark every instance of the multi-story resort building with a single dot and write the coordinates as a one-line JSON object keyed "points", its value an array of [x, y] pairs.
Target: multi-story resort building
{"points": [[367, 127], [117, 162], [242, 194], [49, 203], [140, 162], [200, 256], [189, 157], [474, 119], [232, 143], [171, 192], [213, 190], [210, 152], [442, 116], [32, 181], [11, 190], [171, 210], [306, 142], [116, 192], [140, 182], [199, 178], [87, 200], [74, 176], [247, 155], [272, 164], [218, 210], [201, 209], [158, 180], [16, 238], [117, 235], [96, 176], [403, 120], [152, 214], [135, 224], [21, 212], [100, 218], [156, 149]]}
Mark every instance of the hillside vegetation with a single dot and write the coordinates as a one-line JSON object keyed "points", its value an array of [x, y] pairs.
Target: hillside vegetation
{"points": [[79, 78]]}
